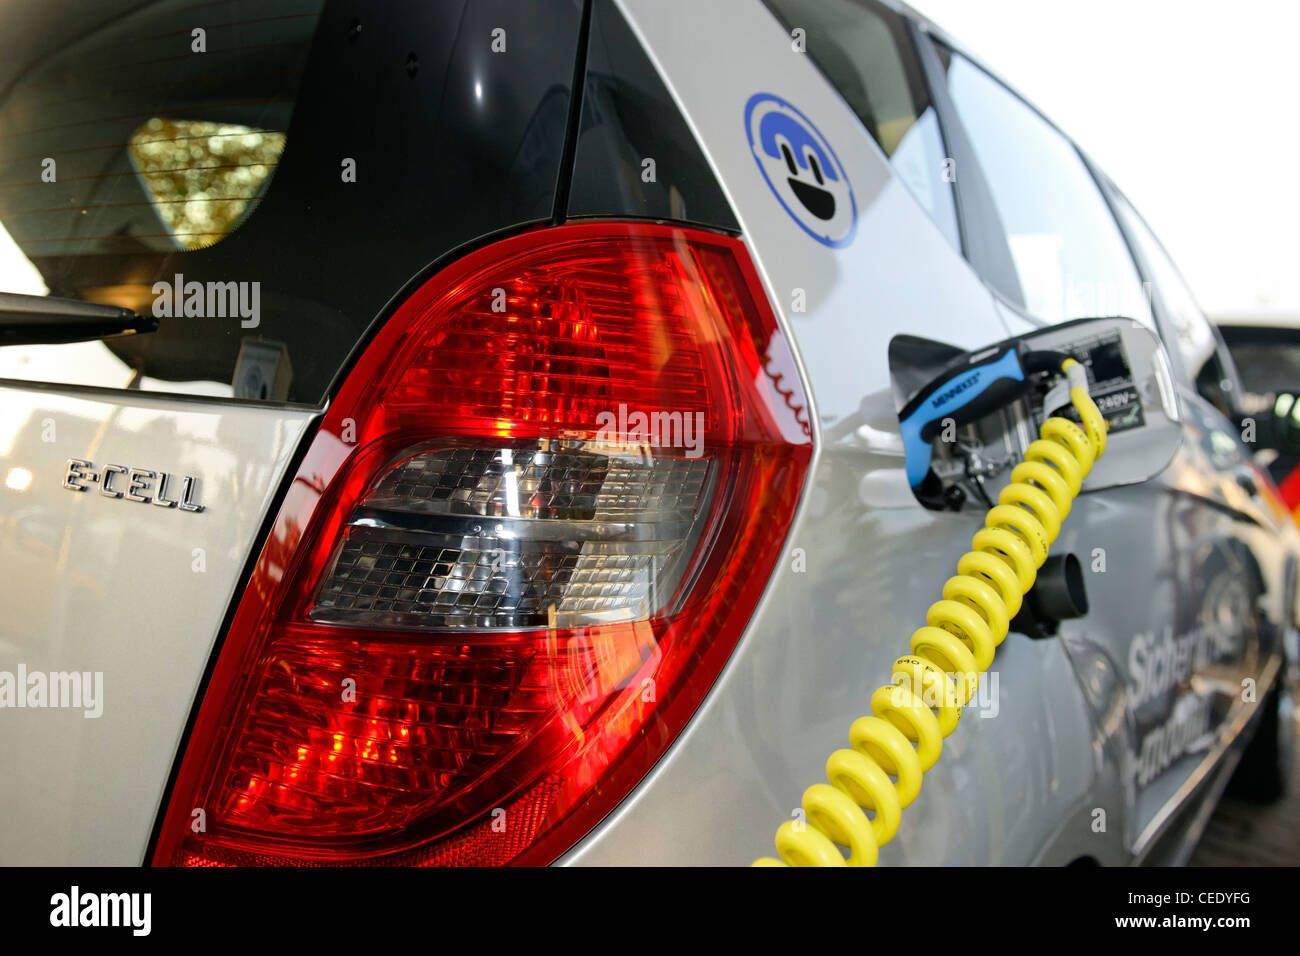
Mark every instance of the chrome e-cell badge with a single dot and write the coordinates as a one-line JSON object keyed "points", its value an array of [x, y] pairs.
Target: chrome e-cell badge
{"points": [[138, 484]]}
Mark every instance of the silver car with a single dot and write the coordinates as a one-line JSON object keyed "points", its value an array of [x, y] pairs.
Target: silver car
{"points": [[480, 433]]}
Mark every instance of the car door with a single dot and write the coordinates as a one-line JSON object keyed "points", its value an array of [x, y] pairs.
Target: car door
{"points": [[1186, 576]]}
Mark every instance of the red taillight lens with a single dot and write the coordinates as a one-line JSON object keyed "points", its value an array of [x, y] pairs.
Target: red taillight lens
{"points": [[529, 533]]}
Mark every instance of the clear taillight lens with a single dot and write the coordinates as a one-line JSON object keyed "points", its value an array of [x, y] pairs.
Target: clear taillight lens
{"points": [[534, 524], [541, 534]]}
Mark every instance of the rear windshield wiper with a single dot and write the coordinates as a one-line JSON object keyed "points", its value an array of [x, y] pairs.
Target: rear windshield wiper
{"points": [[49, 320]]}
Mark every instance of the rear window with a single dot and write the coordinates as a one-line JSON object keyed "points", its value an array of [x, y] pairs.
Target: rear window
{"points": [[265, 175]]}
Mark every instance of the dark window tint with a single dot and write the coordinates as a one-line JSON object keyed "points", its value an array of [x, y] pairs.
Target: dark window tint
{"points": [[636, 156], [294, 162], [1070, 258], [865, 52]]}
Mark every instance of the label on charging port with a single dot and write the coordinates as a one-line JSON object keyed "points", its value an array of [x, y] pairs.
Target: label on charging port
{"points": [[1120, 406]]}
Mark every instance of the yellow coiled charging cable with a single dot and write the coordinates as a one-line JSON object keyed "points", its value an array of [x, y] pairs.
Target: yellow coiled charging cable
{"points": [[910, 717]]}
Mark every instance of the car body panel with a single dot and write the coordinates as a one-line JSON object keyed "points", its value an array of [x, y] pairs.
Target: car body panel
{"points": [[1087, 770], [824, 637], [1200, 560], [133, 591]]}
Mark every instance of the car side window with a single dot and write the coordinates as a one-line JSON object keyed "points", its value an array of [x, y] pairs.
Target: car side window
{"points": [[1070, 258], [863, 49], [1186, 330], [1206, 362]]}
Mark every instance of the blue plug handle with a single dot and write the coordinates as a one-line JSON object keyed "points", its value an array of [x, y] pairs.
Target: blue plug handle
{"points": [[973, 390]]}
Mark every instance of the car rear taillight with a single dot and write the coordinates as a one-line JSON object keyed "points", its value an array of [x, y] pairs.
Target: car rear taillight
{"points": [[533, 526]]}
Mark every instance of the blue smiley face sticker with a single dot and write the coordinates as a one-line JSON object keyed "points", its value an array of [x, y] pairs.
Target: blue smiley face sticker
{"points": [[801, 169]]}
